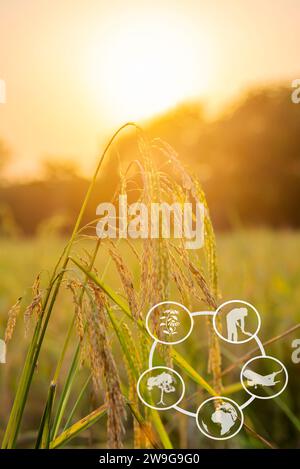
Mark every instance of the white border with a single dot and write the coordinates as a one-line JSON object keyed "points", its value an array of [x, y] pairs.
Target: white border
{"points": [[172, 303], [163, 368], [238, 341], [225, 399], [270, 358]]}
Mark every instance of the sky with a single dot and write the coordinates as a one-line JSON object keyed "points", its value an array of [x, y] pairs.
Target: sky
{"points": [[77, 69]]}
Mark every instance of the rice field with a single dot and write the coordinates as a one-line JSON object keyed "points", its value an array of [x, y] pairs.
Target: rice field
{"points": [[76, 336], [248, 269]]}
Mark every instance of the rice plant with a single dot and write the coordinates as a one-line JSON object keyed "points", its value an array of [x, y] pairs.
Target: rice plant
{"points": [[107, 326]]}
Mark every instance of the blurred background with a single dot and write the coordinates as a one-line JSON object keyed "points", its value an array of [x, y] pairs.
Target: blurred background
{"points": [[213, 79]]}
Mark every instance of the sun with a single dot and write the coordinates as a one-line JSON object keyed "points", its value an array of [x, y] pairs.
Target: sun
{"points": [[147, 65]]}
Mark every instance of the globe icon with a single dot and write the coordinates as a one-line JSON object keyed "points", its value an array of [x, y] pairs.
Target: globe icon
{"points": [[219, 418]]}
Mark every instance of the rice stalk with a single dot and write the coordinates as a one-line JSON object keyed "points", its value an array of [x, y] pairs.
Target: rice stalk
{"points": [[43, 438], [161, 265], [13, 426]]}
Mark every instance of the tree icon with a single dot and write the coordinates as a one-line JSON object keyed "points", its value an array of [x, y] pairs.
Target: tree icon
{"points": [[164, 382]]}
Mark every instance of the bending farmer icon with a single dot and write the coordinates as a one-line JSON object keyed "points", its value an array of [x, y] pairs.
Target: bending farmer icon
{"points": [[235, 320]]}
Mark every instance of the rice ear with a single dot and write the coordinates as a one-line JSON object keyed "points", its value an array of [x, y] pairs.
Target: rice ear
{"points": [[74, 286], [35, 307], [103, 366], [126, 279], [12, 319]]}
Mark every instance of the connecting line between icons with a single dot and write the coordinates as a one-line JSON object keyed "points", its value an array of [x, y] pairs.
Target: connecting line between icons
{"points": [[186, 412], [260, 345], [152, 353], [203, 313], [251, 399]]}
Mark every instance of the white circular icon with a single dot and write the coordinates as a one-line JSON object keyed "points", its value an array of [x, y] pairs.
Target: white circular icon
{"points": [[160, 388], [219, 418], [264, 377], [172, 324], [240, 319]]}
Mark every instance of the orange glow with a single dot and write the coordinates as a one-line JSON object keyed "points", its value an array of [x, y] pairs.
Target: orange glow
{"points": [[148, 65], [74, 71]]}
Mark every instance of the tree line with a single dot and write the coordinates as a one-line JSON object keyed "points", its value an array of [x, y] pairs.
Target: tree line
{"points": [[248, 160]]}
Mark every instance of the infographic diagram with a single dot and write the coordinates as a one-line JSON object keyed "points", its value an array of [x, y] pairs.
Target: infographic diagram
{"points": [[217, 417]]}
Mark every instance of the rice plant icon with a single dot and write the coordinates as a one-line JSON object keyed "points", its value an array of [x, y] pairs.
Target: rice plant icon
{"points": [[169, 321]]}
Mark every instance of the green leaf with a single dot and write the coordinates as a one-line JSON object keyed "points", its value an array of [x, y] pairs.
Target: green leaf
{"points": [[43, 438], [78, 427]]}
